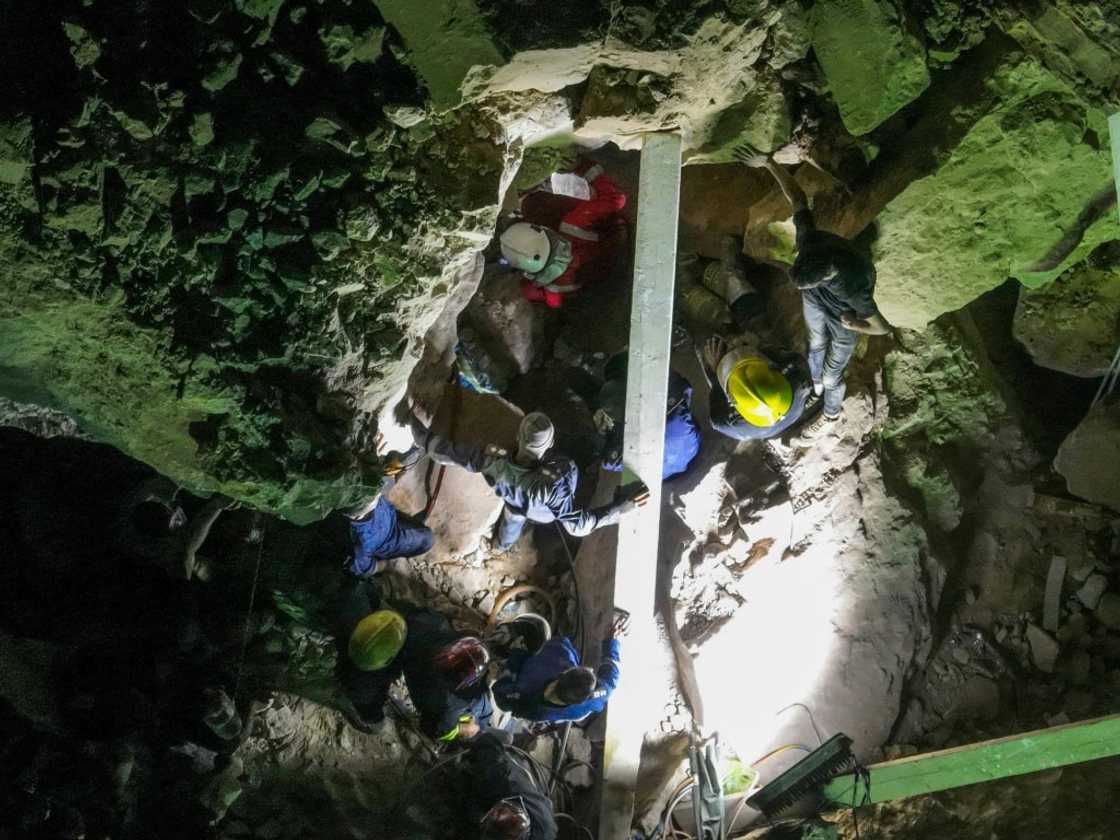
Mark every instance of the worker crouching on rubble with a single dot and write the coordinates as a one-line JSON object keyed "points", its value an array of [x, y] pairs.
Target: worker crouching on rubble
{"points": [[570, 232], [370, 639], [444, 671], [506, 798], [380, 532], [553, 685], [754, 395], [536, 483], [607, 402]]}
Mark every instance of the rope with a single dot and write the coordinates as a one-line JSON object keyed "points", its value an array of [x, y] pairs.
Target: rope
{"points": [[248, 617], [434, 494], [1111, 377]]}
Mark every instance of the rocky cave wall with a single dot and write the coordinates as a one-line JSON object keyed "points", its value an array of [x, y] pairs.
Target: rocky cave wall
{"points": [[228, 226]]}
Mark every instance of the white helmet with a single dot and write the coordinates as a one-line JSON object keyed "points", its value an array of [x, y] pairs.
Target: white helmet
{"points": [[526, 247]]}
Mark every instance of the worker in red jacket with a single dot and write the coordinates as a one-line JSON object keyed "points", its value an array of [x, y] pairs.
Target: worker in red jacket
{"points": [[570, 231]]}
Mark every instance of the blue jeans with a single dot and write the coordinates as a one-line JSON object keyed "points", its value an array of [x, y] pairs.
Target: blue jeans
{"points": [[831, 346], [510, 526]]}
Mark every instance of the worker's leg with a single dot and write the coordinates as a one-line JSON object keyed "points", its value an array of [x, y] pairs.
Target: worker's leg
{"points": [[816, 322], [510, 526], [841, 345], [413, 536], [368, 691]]}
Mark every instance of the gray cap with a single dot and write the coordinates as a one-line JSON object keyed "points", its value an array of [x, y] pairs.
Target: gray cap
{"points": [[536, 434]]}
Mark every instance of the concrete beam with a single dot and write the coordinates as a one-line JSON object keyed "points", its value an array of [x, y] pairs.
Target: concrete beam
{"points": [[632, 708]]}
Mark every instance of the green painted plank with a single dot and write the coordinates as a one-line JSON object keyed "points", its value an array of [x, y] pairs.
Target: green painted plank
{"points": [[983, 762], [445, 39], [1114, 130]]}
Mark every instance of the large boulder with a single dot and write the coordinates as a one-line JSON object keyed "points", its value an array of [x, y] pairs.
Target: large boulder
{"points": [[1089, 458], [874, 66], [1072, 324], [1002, 198]]}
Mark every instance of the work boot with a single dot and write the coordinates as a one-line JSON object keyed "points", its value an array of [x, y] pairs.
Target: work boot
{"points": [[490, 547], [823, 424]]}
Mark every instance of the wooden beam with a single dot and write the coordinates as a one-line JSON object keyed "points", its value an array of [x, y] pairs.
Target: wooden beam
{"points": [[632, 707], [986, 761]]}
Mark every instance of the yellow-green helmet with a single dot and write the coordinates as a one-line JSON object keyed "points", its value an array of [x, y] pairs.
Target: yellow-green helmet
{"points": [[377, 640], [761, 394]]}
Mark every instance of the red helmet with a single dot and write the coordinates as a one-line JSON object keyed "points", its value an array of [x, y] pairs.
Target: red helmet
{"points": [[507, 820], [463, 661]]}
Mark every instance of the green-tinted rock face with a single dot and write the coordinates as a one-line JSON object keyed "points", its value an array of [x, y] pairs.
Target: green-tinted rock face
{"points": [[173, 269], [445, 39], [1072, 324], [873, 66], [1001, 200]]}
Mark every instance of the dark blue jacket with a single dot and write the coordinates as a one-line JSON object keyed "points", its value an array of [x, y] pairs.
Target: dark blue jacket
{"points": [[521, 690]]}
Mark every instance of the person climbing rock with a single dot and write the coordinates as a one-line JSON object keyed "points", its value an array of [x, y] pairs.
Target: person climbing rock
{"points": [[537, 484], [718, 293], [754, 395], [569, 233], [444, 671], [379, 532], [553, 685], [506, 799], [607, 401], [837, 286], [369, 639]]}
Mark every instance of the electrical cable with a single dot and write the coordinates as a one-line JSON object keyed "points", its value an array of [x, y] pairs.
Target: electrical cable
{"points": [[575, 587], [812, 720], [862, 774], [781, 749]]}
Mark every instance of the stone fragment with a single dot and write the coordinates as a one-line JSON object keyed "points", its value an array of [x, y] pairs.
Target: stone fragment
{"points": [[1060, 719], [405, 116], [1089, 458], [1044, 650], [1108, 611], [874, 66], [83, 46], [202, 129], [1052, 601], [345, 47], [225, 67], [1091, 592], [289, 67], [445, 39], [1072, 324]]}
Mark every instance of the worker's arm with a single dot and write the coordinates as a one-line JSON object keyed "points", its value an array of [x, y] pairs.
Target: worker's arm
{"points": [[581, 522], [793, 193], [873, 325], [608, 674], [443, 451]]}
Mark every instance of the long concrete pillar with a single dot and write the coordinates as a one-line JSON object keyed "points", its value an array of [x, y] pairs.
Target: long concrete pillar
{"points": [[633, 705]]}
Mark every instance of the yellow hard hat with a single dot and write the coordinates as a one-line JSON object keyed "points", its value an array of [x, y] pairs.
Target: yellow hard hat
{"points": [[377, 640], [760, 394]]}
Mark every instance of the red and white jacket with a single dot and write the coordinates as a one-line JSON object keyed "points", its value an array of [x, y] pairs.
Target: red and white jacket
{"points": [[581, 222]]}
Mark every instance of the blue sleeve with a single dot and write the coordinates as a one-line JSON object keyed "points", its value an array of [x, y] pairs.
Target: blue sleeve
{"points": [[608, 673]]}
